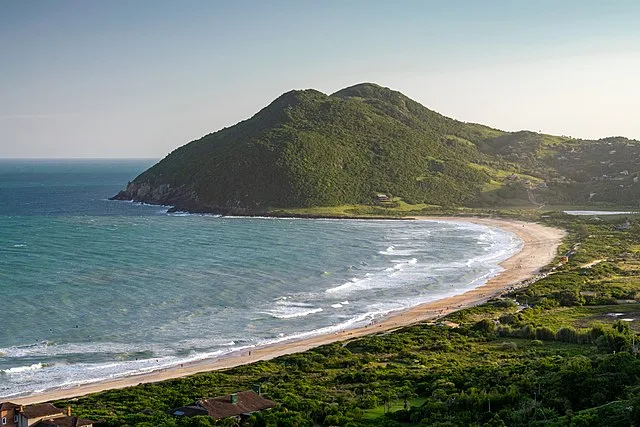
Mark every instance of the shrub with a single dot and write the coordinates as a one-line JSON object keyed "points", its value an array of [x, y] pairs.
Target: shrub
{"points": [[485, 326], [508, 346]]}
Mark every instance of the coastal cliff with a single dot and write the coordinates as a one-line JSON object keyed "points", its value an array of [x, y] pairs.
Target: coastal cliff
{"points": [[181, 198]]}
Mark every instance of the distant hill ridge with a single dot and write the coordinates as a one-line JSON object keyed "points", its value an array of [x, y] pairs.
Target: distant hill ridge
{"points": [[309, 149]]}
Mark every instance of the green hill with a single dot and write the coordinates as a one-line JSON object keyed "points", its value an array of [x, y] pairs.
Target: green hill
{"points": [[309, 149]]}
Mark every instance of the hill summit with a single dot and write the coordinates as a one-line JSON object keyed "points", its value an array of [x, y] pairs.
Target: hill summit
{"points": [[365, 143]]}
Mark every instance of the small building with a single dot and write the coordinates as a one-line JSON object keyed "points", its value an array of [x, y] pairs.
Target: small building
{"points": [[624, 226], [238, 405], [40, 415], [8, 414], [32, 414], [590, 294]]}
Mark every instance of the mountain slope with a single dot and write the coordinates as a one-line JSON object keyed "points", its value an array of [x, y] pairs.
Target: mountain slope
{"points": [[311, 149]]}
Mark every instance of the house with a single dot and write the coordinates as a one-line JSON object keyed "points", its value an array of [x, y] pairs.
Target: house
{"points": [[40, 415], [8, 414], [588, 294], [239, 405], [624, 226], [31, 414]]}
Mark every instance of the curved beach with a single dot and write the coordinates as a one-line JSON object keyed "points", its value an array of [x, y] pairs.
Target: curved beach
{"points": [[540, 245]]}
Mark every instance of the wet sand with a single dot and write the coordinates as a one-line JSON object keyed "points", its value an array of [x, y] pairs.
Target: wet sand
{"points": [[539, 249]]}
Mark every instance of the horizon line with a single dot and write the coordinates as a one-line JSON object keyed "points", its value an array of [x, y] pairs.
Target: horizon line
{"points": [[80, 158]]}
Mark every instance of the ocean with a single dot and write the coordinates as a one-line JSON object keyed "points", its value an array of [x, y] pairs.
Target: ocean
{"points": [[93, 289]]}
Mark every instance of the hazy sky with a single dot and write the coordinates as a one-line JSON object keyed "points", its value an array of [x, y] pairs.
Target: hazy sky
{"points": [[140, 78]]}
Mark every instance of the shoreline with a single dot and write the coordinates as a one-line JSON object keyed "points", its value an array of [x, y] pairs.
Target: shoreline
{"points": [[539, 248]]}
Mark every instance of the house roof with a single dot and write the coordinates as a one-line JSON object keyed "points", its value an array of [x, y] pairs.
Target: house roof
{"points": [[65, 421], [5, 406], [41, 410], [246, 403], [189, 411]]}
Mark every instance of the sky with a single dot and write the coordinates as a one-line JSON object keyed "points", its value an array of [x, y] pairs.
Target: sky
{"points": [[137, 79]]}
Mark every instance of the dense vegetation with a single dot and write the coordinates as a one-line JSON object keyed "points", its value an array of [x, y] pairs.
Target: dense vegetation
{"points": [[308, 149], [559, 352]]}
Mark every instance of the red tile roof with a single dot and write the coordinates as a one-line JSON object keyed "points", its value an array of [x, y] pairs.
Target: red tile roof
{"points": [[247, 402]]}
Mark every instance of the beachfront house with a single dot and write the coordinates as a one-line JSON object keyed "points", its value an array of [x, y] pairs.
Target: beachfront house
{"points": [[237, 405], [8, 414], [40, 415], [32, 414]]}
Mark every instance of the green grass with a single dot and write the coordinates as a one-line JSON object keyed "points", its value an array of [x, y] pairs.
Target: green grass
{"points": [[532, 348], [398, 209], [396, 405], [582, 316]]}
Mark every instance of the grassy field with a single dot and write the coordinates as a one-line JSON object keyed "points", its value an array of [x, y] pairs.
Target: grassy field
{"points": [[395, 405]]}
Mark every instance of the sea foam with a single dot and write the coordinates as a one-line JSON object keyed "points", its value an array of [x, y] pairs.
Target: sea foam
{"points": [[22, 369]]}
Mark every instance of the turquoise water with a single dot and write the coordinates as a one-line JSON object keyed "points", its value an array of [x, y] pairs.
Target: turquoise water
{"points": [[595, 213], [95, 289]]}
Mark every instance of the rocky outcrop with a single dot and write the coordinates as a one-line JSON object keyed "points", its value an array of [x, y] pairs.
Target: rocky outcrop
{"points": [[144, 192], [181, 199]]}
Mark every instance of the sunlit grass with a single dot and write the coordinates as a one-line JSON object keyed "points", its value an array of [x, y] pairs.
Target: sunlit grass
{"points": [[396, 405]]}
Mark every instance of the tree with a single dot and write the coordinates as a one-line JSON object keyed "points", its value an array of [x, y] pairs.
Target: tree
{"points": [[387, 399], [405, 393]]}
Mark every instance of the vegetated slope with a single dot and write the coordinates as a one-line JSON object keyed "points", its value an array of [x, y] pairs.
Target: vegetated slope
{"points": [[310, 149], [562, 170]]}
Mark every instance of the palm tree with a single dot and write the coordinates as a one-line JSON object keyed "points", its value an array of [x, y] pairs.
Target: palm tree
{"points": [[405, 393], [387, 398]]}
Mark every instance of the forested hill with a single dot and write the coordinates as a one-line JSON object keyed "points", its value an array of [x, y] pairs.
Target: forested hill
{"points": [[367, 144]]}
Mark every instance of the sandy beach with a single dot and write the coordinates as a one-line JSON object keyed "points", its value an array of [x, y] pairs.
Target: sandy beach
{"points": [[539, 249]]}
